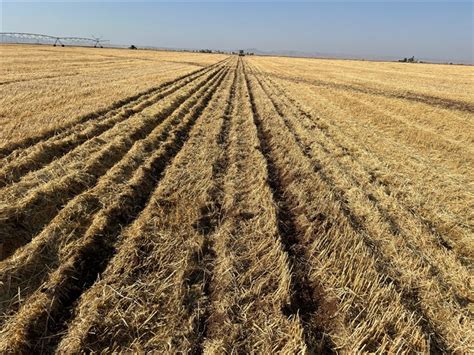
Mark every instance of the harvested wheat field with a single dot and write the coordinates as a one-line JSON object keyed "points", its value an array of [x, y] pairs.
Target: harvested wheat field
{"points": [[202, 203]]}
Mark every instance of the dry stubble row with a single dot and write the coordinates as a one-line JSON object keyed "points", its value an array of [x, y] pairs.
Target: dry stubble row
{"points": [[234, 215]]}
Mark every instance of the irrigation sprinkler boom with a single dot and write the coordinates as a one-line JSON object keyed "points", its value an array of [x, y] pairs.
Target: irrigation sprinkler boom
{"points": [[23, 37]]}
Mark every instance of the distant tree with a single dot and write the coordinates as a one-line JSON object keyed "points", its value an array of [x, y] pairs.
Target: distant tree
{"points": [[132, 47]]}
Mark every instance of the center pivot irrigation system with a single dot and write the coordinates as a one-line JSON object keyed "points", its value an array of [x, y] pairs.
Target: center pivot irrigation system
{"points": [[21, 37]]}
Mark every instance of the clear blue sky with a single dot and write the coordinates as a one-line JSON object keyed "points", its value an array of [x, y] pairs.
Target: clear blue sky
{"points": [[439, 30]]}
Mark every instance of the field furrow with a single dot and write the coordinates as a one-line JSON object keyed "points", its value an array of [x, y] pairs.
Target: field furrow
{"points": [[76, 159], [44, 201], [166, 252], [85, 258], [331, 150], [26, 270], [338, 159], [324, 228], [255, 205], [250, 263], [400, 174], [411, 264], [22, 161], [123, 104], [450, 104]]}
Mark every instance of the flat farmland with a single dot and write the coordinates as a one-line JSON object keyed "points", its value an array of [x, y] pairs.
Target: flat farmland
{"points": [[43, 87], [202, 203]]}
